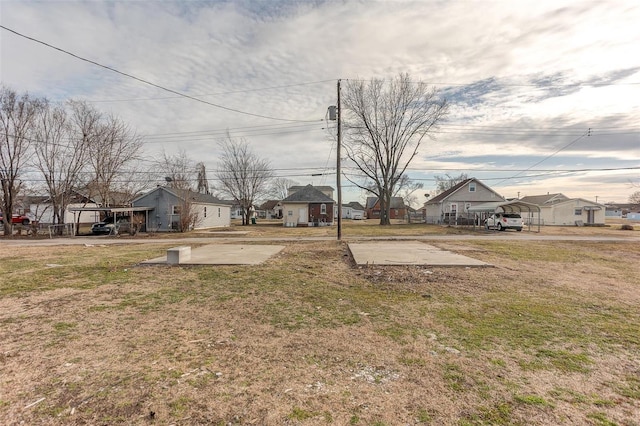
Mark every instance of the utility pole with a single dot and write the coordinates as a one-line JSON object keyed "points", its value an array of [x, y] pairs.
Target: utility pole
{"points": [[338, 166]]}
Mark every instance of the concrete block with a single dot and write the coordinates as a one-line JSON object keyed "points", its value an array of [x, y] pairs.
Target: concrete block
{"points": [[177, 255]]}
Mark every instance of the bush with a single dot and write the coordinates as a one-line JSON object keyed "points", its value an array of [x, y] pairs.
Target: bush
{"points": [[626, 227]]}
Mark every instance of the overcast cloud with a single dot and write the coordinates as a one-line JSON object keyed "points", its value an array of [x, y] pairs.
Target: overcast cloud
{"points": [[526, 80]]}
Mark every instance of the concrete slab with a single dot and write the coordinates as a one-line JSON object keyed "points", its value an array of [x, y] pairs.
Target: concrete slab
{"points": [[407, 253], [225, 254]]}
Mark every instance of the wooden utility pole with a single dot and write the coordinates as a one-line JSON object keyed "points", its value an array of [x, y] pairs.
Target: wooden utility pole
{"points": [[338, 173]]}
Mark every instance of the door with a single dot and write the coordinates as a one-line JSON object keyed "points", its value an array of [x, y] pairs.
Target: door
{"points": [[453, 217], [303, 217], [590, 216]]}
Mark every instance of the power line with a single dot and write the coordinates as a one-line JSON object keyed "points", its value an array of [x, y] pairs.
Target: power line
{"points": [[215, 94], [184, 95]]}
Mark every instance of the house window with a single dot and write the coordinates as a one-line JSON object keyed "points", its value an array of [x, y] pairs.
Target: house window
{"points": [[175, 209], [290, 213], [323, 209], [205, 211], [472, 187], [578, 212]]}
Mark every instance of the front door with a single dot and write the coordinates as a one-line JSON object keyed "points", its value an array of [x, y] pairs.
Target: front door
{"points": [[590, 216], [302, 215]]}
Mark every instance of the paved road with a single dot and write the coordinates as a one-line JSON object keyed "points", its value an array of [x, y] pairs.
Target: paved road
{"points": [[212, 240]]}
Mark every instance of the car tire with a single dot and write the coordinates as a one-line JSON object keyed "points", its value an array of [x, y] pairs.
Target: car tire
{"points": [[519, 229], [500, 228], [25, 221]]}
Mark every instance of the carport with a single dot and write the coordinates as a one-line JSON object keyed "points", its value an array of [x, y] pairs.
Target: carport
{"points": [[515, 206], [111, 210]]}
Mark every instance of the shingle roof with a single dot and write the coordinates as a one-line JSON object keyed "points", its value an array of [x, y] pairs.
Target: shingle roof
{"points": [[443, 195], [396, 202], [308, 194], [269, 204], [544, 199]]}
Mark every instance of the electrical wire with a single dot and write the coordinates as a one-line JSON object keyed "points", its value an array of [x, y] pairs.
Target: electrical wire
{"points": [[175, 92]]}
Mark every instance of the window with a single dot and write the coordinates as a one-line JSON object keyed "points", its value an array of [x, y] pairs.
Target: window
{"points": [[472, 187], [290, 213], [218, 211], [205, 211], [175, 209], [323, 209], [578, 211]]}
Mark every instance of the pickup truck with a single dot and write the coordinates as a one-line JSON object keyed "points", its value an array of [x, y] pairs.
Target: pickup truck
{"points": [[503, 221], [18, 218]]}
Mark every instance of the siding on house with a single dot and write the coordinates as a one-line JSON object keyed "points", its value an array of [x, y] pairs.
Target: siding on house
{"points": [[458, 199], [167, 206]]}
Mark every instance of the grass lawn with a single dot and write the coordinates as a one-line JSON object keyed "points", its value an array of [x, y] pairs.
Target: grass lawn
{"points": [[549, 336]]}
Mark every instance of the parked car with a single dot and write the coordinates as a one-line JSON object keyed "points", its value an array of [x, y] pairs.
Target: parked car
{"points": [[502, 221], [18, 218], [108, 227]]}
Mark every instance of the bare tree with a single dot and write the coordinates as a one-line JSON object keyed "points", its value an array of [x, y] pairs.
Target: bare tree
{"points": [[61, 154], [446, 182], [203, 183], [178, 170], [634, 198], [17, 115], [243, 175], [384, 126], [406, 189], [279, 188]]}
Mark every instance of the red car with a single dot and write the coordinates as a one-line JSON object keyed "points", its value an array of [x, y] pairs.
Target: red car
{"points": [[17, 218]]}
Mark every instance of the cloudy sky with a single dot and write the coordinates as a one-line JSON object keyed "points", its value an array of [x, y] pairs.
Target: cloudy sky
{"points": [[526, 80]]}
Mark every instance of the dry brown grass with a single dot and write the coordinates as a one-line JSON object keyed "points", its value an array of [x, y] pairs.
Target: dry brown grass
{"points": [[550, 336]]}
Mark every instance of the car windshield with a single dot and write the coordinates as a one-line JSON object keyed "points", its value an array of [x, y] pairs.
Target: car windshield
{"points": [[512, 215]]}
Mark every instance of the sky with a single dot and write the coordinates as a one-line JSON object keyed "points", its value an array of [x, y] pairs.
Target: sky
{"points": [[544, 95]]}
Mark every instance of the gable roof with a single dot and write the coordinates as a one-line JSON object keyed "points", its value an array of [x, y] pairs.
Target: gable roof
{"points": [[186, 195], [355, 205], [269, 204], [444, 195], [545, 199], [308, 194], [396, 202]]}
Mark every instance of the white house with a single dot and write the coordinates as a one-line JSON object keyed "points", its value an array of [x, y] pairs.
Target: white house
{"points": [[558, 209]]}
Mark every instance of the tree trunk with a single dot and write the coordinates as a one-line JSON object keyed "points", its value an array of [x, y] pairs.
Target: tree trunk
{"points": [[248, 215]]}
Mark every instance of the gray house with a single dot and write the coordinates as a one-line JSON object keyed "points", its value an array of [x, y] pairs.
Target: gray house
{"points": [[167, 208], [452, 205]]}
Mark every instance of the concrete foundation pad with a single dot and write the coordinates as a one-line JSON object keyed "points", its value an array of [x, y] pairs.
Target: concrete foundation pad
{"points": [[407, 253], [225, 254]]}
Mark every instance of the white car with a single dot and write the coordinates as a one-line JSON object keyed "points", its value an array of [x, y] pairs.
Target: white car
{"points": [[502, 221]]}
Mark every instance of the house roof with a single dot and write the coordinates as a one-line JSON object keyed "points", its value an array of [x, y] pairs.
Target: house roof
{"points": [[545, 199], [355, 205], [446, 194], [269, 204], [186, 195], [320, 188], [396, 202], [308, 194]]}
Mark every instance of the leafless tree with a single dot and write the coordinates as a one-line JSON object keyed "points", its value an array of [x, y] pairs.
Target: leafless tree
{"points": [[114, 146], [61, 154], [243, 175], [17, 115], [406, 189], [384, 126], [446, 182], [279, 188], [203, 183], [178, 170], [635, 198]]}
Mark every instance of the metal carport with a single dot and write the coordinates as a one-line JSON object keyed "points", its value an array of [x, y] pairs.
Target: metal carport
{"points": [[515, 206], [115, 210]]}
